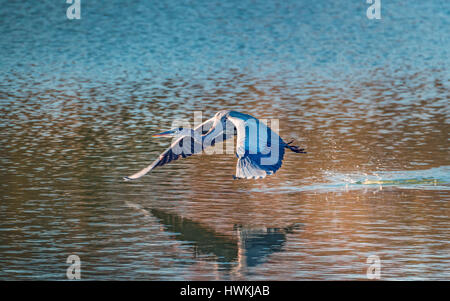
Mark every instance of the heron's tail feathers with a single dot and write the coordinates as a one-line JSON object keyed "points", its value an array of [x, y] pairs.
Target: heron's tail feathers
{"points": [[247, 168], [294, 148]]}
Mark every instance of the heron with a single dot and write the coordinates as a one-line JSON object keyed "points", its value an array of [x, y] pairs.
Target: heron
{"points": [[259, 150]]}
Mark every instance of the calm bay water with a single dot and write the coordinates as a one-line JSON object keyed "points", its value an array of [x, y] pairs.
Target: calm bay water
{"points": [[368, 99]]}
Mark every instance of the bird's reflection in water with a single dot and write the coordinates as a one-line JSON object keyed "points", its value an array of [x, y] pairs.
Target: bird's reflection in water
{"points": [[256, 244], [204, 240], [249, 247]]}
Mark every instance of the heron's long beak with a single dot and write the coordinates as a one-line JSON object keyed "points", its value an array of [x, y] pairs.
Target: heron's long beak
{"points": [[164, 134]]}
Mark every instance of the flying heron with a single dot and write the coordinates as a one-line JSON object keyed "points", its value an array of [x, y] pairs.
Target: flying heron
{"points": [[260, 151]]}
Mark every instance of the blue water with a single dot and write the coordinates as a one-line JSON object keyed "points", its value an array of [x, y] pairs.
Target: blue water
{"points": [[153, 41], [367, 99]]}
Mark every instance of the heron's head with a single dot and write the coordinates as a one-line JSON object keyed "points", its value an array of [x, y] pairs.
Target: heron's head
{"points": [[222, 115], [176, 132]]}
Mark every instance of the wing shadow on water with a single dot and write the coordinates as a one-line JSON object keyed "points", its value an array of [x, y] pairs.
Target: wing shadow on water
{"points": [[248, 247]]}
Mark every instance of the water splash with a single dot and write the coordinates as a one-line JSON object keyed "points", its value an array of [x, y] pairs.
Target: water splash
{"points": [[429, 179]]}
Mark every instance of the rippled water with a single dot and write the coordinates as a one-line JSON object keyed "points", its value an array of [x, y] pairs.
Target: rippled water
{"points": [[368, 99]]}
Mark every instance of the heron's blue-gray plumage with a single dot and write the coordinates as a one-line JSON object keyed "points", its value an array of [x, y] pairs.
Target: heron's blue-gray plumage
{"points": [[259, 149]]}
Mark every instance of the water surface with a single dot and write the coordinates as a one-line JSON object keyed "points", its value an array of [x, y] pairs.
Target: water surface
{"points": [[368, 99]]}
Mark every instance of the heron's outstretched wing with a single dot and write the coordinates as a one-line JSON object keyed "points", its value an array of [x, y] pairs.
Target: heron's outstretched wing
{"points": [[260, 150], [183, 147], [188, 145]]}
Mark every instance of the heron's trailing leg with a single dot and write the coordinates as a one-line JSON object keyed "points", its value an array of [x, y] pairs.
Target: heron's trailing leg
{"points": [[295, 148]]}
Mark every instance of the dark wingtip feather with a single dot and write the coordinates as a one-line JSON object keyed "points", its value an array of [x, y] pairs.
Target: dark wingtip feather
{"points": [[295, 148]]}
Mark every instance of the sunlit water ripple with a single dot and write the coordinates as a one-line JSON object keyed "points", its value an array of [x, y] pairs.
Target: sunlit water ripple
{"points": [[79, 101]]}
